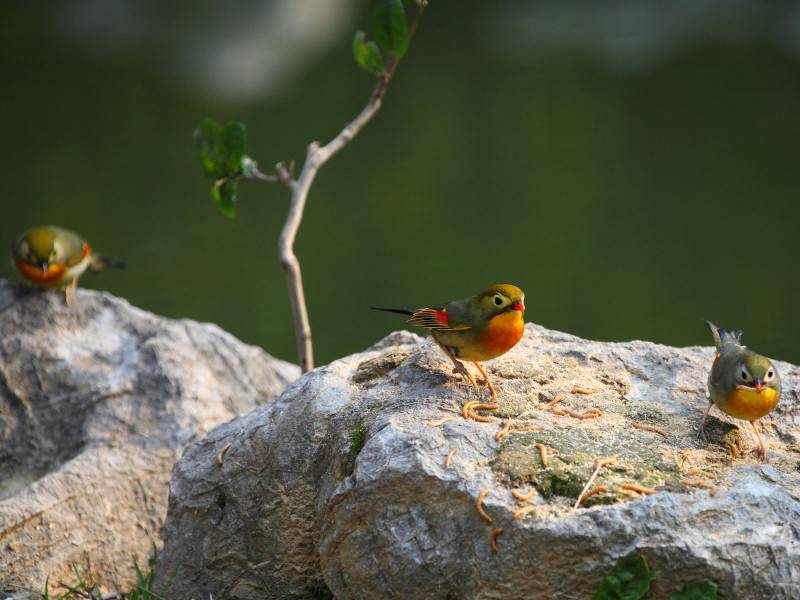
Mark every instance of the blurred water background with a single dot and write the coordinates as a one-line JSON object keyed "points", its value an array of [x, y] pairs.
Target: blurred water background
{"points": [[634, 165]]}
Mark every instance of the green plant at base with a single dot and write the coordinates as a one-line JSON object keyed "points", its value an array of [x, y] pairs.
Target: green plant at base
{"points": [[630, 580], [701, 590]]}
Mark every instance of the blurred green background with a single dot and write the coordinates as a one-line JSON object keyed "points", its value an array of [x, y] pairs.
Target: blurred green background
{"points": [[633, 166]]}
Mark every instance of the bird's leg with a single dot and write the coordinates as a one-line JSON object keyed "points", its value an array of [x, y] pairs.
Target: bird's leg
{"points": [[69, 291], [485, 381], [762, 449], [702, 432], [460, 369]]}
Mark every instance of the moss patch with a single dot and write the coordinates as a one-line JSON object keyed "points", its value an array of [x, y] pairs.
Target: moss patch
{"points": [[378, 367], [571, 457]]}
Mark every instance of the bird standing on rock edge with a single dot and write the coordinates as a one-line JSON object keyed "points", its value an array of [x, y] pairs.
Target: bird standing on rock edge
{"points": [[51, 256], [475, 329], [743, 384]]}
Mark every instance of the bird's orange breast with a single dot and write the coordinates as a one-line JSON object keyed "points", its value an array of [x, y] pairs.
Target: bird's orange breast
{"points": [[750, 405], [503, 332], [52, 276]]}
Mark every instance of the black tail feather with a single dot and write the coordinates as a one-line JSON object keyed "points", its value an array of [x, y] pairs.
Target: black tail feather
{"points": [[401, 311], [100, 263]]}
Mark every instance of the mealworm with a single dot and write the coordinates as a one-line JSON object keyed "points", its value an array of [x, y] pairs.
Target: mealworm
{"points": [[696, 473], [591, 413], [712, 489], [504, 431], [581, 391], [644, 427], [479, 506], [466, 408], [554, 401], [221, 454], [635, 487], [449, 458], [542, 453], [488, 406], [440, 422], [523, 497], [598, 489], [493, 537], [687, 389], [523, 511], [599, 464], [480, 418], [633, 494], [526, 428]]}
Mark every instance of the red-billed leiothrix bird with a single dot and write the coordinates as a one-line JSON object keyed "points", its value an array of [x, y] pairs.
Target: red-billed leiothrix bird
{"points": [[475, 329]]}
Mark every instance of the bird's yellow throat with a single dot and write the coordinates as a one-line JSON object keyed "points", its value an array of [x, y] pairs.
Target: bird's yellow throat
{"points": [[749, 405]]}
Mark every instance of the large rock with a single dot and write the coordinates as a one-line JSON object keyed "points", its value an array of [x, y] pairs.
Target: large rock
{"points": [[96, 402], [341, 486]]}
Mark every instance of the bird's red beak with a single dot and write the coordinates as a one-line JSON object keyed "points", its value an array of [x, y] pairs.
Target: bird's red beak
{"points": [[518, 306], [759, 386]]}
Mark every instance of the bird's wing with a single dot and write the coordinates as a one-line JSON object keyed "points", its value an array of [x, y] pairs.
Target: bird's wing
{"points": [[437, 318]]}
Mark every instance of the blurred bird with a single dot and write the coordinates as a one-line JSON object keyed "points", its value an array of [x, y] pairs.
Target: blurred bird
{"points": [[52, 256], [743, 384], [474, 329]]}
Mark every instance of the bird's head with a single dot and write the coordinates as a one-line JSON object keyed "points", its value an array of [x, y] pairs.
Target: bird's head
{"points": [[501, 298], [756, 372], [40, 254]]}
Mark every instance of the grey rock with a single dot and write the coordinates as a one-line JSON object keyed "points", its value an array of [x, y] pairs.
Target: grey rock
{"points": [[305, 506], [97, 400]]}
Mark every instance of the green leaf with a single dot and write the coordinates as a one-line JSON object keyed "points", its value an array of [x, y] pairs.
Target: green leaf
{"points": [[367, 54], [225, 193], [233, 140], [390, 27], [630, 580], [701, 590], [208, 144]]}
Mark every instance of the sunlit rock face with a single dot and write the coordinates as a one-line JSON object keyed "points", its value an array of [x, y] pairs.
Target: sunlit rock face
{"points": [[343, 485], [97, 400]]}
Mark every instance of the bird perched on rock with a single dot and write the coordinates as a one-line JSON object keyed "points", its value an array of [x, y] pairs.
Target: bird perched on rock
{"points": [[475, 329], [52, 256], [743, 384]]}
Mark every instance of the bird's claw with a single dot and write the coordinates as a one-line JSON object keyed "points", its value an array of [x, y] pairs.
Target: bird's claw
{"points": [[701, 434]]}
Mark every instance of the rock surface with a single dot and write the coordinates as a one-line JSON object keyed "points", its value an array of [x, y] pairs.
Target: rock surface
{"points": [[340, 487], [97, 401]]}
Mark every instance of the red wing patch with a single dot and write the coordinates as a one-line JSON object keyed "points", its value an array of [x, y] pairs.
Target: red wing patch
{"points": [[432, 318]]}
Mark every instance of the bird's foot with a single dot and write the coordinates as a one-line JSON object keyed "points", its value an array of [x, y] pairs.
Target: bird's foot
{"points": [[760, 453], [701, 434], [460, 369]]}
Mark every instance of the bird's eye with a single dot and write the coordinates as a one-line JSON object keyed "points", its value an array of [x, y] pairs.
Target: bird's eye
{"points": [[770, 375], [745, 375], [498, 300]]}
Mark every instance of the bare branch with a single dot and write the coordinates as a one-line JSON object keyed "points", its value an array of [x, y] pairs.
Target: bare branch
{"points": [[316, 156]]}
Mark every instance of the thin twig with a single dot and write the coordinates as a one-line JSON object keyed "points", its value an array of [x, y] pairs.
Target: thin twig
{"points": [[316, 156], [597, 466]]}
